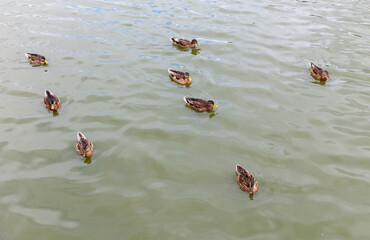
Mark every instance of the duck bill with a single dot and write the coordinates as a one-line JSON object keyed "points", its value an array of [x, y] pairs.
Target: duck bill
{"points": [[198, 44], [52, 106], [189, 78], [45, 62], [215, 105]]}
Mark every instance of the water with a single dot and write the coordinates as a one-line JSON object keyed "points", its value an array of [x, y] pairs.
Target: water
{"points": [[161, 170]]}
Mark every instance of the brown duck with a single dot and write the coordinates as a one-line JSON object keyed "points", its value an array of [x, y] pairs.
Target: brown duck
{"points": [[246, 181], [200, 105], [318, 73], [84, 146], [51, 101], [180, 77], [36, 59], [184, 43]]}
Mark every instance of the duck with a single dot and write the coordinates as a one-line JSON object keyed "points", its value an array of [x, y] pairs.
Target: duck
{"points": [[184, 43], [36, 59], [246, 181], [200, 105], [84, 146], [318, 73], [180, 77], [51, 101]]}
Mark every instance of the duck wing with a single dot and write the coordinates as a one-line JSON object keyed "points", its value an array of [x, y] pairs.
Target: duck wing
{"points": [[34, 56], [197, 103], [315, 69], [245, 178], [181, 42], [173, 72]]}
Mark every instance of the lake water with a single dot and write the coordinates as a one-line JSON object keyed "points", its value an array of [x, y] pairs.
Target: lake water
{"points": [[161, 170]]}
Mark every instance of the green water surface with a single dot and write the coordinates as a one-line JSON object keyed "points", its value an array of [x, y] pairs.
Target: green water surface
{"points": [[160, 170]]}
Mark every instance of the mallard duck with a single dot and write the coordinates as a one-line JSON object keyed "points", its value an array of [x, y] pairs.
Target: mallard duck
{"points": [[246, 181], [84, 146], [184, 43], [318, 73], [51, 101], [200, 105], [36, 59], [180, 77]]}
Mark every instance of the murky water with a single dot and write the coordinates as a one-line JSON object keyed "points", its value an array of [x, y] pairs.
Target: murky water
{"points": [[161, 170]]}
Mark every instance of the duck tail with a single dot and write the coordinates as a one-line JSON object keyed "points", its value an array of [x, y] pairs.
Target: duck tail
{"points": [[186, 99], [174, 39], [48, 94], [312, 65], [80, 137], [27, 55], [241, 171], [238, 168], [170, 71]]}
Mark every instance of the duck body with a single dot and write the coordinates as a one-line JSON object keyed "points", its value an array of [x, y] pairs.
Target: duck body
{"points": [[200, 105], [51, 101], [246, 181], [180, 77], [184, 43], [318, 73], [36, 59], [84, 146]]}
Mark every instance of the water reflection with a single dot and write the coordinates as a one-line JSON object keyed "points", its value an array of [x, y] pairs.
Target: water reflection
{"points": [[194, 51], [213, 114], [88, 160], [39, 65], [319, 82]]}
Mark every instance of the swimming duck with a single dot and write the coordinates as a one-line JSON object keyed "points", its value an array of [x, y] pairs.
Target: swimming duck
{"points": [[200, 105], [318, 73], [180, 77], [246, 181], [36, 59], [51, 101], [184, 43], [84, 146]]}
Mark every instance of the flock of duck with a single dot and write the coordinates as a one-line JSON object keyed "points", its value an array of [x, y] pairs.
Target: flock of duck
{"points": [[245, 179]]}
